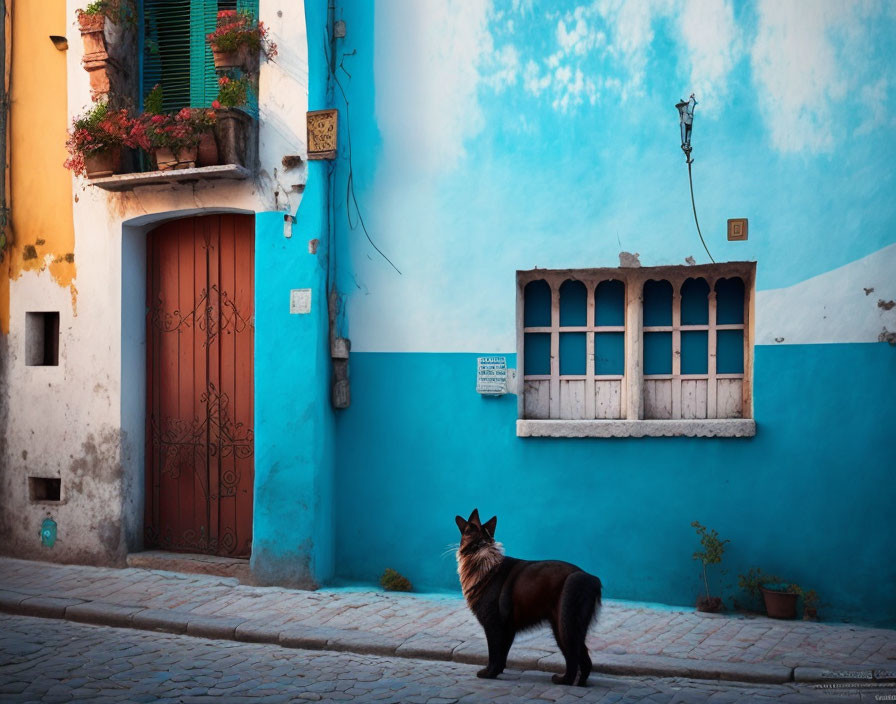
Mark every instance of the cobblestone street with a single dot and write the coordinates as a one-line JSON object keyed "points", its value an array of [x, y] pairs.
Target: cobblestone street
{"points": [[43, 660]]}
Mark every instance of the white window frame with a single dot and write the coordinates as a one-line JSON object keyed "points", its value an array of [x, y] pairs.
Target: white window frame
{"points": [[599, 409]]}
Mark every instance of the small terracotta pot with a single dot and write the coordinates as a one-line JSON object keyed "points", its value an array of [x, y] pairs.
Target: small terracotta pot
{"points": [[186, 158], [94, 37], [104, 163], [207, 154], [240, 58], [780, 604], [91, 23], [167, 159]]}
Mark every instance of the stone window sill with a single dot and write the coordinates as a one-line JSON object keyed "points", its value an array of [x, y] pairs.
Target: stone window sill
{"points": [[127, 182], [721, 428]]}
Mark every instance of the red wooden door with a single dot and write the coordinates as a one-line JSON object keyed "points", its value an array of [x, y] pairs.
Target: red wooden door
{"points": [[199, 388]]}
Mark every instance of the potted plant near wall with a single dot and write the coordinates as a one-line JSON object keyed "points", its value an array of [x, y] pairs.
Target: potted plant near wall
{"points": [[233, 124], [711, 554], [200, 120], [96, 140], [92, 21], [173, 141], [238, 40], [93, 17], [780, 597], [203, 122]]}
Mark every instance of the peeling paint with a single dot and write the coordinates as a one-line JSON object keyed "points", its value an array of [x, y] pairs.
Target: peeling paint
{"points": [[886, 305], [887, 336]]}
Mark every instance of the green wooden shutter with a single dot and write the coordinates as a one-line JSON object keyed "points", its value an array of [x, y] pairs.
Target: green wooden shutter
{"points": [[166, 50], [176, 54], [203, 80]]}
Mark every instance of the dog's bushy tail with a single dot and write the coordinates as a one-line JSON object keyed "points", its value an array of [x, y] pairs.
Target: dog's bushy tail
{"points": [[579, 604]]}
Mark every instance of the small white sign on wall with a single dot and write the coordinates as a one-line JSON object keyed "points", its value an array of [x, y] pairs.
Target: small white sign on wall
{"points": [[300, 301], [491, 376]]}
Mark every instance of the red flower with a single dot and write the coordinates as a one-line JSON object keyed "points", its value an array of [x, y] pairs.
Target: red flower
{"points": [[216, 105]]}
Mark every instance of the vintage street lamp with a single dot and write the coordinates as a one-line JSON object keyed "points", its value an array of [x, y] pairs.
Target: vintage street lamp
{"points": [[686, 115]]}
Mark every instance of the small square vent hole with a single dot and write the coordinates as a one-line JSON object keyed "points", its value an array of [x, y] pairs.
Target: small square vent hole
{"points": [[44, 488], [42, 339]]}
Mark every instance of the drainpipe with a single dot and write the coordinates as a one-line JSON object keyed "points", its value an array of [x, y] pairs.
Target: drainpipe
{"points": [[5, 62]]}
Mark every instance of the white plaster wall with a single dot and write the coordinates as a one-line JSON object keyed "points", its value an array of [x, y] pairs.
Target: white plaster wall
{"points": [[83, 419], [847, 304]]}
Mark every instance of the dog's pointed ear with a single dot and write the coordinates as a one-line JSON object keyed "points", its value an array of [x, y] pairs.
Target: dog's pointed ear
{"points": [[461, 523], [489, 526], [474, 517]]}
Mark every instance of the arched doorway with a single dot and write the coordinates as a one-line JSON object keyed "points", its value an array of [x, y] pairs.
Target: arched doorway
{"points": [[200, 323]]}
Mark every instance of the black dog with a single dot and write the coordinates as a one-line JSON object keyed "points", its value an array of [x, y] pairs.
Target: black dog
{"points": [[509, 595]]}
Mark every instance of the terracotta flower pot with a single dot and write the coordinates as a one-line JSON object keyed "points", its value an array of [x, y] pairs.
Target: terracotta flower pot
{"points": [[207, 154], [94, 36], [780, 604], [104, 163], [167, 159], [232, 128], [239, 58], [91, 23]]}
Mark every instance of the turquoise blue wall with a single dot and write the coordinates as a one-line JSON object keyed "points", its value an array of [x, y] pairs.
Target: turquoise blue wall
{"points": [[293, 540], [292, 526], [468, 151], [810, 498]]}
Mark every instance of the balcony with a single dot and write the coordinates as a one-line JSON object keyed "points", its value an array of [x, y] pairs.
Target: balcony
{"points": [[128, 182]]}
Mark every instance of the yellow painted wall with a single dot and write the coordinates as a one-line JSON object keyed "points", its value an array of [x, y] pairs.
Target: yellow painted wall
{"points": [[42, 233]]}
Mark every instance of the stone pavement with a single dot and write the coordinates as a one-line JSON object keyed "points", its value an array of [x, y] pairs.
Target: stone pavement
{"points": [[626, 640], [52, 661]]}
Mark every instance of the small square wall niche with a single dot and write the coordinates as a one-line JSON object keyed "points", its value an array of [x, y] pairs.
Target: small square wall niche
{"points": [[42, 339], [42, 489]]}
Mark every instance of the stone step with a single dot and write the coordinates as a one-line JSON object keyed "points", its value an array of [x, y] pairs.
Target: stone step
{"points": [[193, 563]]}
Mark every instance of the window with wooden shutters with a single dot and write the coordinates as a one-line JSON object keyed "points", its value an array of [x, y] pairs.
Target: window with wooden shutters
{"points": [[636, 351], [176, 54]]}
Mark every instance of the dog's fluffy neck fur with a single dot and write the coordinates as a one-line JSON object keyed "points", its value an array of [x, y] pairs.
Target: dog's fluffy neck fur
{"points": [[474, 568]]}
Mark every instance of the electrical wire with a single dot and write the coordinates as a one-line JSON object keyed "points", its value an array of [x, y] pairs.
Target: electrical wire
{"points": [[350, 196], [691, 181]]}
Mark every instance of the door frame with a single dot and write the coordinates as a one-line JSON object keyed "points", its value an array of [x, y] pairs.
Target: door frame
{"points": [[133, 362]]}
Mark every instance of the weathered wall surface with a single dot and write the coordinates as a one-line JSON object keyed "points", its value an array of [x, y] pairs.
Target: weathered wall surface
{"points": [[42, 235], [510, 136], [83, 420]]}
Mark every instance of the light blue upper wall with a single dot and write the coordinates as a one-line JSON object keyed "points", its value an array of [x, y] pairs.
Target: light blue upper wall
{"points": [[494, 136]]}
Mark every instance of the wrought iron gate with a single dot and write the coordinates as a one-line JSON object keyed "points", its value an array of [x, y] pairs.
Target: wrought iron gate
{"points": [[199, 390]]}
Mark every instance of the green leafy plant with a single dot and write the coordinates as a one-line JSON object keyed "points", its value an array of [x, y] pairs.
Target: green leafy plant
{"points": [[152, 103], [123, 12], [392, 581], [232, 92], [713, 549], [752, 581], [97, 7]]}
